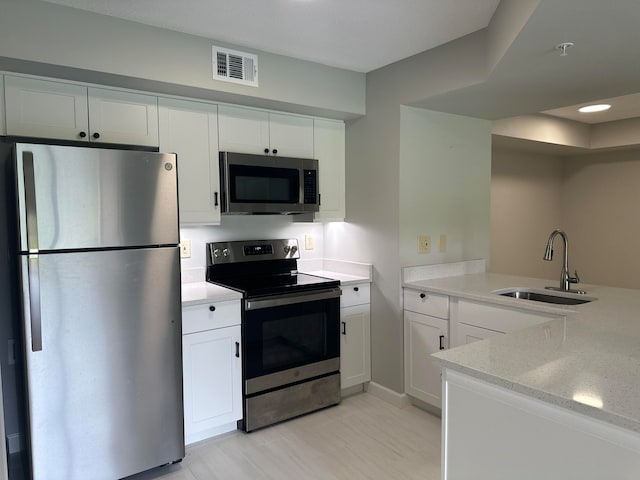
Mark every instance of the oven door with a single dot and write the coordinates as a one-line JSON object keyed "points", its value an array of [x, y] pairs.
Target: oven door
{"points": [[290, 338]]}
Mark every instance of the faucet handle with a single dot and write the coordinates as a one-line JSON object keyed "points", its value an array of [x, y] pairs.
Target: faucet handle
{"points": [[575, 279]]}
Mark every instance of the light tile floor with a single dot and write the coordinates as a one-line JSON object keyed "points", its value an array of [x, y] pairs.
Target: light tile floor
{"points": [[362, 438]]}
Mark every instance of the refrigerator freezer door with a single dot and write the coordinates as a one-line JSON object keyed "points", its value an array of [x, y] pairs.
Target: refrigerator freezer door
{"points": [[105, 390], [86, 198]]}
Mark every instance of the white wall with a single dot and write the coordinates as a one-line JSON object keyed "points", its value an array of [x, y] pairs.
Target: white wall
{"points": [[445, 176], [600, 199], [244, 227], [593, 198], [526, 207]]}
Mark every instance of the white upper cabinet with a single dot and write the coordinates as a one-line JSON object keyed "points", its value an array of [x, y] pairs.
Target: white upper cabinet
{"points": [[246, 130], [243, 130], [123, 117], [190, 129], [40, 108], [329, 145], [291, 136], [68, 111]]}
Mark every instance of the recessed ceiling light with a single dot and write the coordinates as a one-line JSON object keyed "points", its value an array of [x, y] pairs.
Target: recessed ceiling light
{"points": [[594, 108]]}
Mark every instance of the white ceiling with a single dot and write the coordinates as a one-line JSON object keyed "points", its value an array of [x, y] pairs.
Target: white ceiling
{"points": [[360, 35], [363, 35], [626, 106]]}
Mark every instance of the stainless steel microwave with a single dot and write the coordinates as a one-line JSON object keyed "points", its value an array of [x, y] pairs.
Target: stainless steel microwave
{"points": [[260, 184]]}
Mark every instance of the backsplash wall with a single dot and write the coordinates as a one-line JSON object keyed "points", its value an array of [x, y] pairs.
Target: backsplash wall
{"points": [[250, 227]]}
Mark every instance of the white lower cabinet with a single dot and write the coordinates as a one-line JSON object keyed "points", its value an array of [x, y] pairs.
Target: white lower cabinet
{"points": [[424, 334], [212, 369], [469, 333], [490, 433], [355, 343], [472, 320]]}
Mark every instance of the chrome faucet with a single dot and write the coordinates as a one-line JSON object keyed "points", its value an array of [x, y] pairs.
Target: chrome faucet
{"points": [[565, 279]]}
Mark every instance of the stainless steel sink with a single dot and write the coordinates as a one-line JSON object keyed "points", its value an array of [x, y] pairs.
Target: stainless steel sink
{"points": [[546, 296]]}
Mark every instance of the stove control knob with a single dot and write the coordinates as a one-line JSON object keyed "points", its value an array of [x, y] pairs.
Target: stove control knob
{"points": [[225, 252], [287, 249], [294, 249], [216, 253]]}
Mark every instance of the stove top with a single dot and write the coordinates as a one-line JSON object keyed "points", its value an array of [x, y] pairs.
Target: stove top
{"points": [[261, 267], [259, 285]]}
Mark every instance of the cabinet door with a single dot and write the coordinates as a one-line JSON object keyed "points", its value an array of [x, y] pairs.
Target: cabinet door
{"points": [[355, 345], [290, 135], [469, 334], [212, 382], [45, 109], [243, 130], [123, 117], [190, 129], [328, 145], [423, 336]]}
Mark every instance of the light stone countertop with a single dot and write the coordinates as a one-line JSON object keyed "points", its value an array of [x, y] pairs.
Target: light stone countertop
{"points": [[588, 362], [345, 278], [197, 293], [349, 273]]}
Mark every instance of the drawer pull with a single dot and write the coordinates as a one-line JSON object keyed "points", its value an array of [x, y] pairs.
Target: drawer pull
{"points": [[237, 349], [423, 295], [344, 328], [212, 308], [356, 289], [442, 342]]}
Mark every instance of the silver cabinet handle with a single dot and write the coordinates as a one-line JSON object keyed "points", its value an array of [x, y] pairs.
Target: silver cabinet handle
{"points": [[34, 303]]}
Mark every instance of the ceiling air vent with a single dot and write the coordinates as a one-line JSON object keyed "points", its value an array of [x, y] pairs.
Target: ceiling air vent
{"points": [[234, 66]]}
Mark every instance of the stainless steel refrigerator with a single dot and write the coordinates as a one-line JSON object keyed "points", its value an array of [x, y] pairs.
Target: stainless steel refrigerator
{"points": [[99, 273]]}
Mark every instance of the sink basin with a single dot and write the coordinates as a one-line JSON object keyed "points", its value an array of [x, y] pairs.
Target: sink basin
{"points": [[546, 296]]}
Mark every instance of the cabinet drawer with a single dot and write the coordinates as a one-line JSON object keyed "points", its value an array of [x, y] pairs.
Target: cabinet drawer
{"points": [[497, 318], [209, 316], [427, 303], [355, 295]]}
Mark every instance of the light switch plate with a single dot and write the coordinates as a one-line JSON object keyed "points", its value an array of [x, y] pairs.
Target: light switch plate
{"points": [[424, 244], [185, 248], [309, 243]]}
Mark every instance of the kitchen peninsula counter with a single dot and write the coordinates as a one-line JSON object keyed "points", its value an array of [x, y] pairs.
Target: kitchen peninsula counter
{"points": [[587, 362]]}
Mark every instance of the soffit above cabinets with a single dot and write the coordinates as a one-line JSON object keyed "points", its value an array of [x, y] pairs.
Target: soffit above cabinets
{"points": [[359, 35]]}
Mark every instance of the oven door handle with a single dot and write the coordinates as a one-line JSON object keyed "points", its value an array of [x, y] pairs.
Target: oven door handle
{"points": [[303, 297]]}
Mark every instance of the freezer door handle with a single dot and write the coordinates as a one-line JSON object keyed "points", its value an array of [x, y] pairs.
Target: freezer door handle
{"points": [[30, 201], [34, 303]]}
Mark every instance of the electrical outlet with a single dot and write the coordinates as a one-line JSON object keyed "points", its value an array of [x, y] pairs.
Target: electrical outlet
{"points": [[185, 248], [424, 244], [443, 243], [309, 243]]}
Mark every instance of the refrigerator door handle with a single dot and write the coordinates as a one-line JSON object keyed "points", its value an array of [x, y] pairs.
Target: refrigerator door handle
{"points": [[30, 202], [34, 303]]}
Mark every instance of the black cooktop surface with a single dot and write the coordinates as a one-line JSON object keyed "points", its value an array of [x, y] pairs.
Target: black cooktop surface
{"points": [[282, 283]]}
